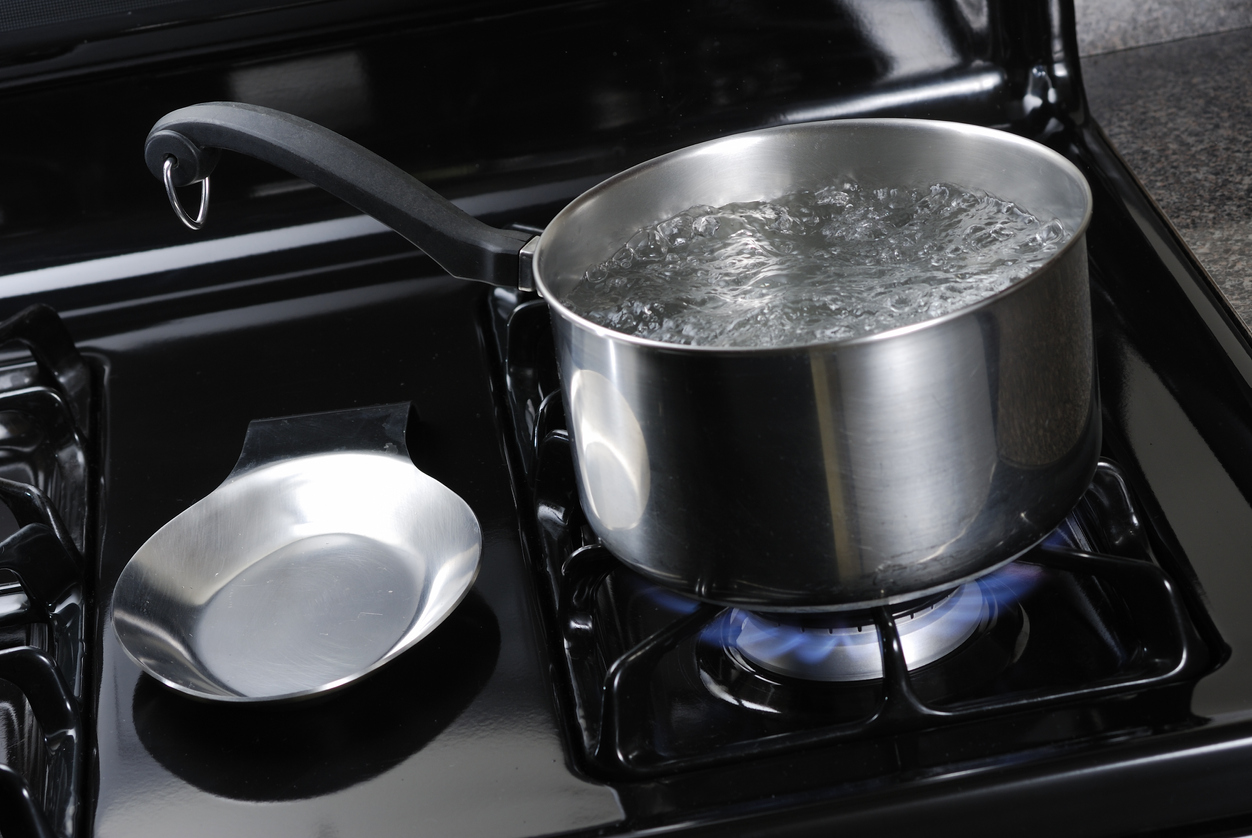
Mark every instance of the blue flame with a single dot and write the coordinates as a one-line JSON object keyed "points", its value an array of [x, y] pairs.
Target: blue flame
{"points": [[845, 647], [812, 640], [667, 600], [1012, 583], [809, 646]]}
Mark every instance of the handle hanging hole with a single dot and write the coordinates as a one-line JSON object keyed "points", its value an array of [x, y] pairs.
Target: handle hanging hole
{"points": [[194, 223]]}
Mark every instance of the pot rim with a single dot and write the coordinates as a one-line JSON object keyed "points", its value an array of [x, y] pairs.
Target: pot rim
{"points": [[1064, 165]]}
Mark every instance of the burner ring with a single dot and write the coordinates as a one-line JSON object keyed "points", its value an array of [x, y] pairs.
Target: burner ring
{"points": [[844, 647]]}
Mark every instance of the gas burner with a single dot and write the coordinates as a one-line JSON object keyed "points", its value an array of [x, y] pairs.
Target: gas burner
{"points": [[829, 666], [843, 646]]}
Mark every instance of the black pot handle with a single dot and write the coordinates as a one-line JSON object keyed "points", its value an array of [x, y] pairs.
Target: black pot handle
{"points": [[460, 243]]}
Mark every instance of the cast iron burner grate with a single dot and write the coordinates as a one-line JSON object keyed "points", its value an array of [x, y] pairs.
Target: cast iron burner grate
{"points": [[45, 425], [654, 685]]}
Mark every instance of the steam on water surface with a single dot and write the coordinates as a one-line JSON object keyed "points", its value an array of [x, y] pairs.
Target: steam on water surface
{"points": [[841, 262]]}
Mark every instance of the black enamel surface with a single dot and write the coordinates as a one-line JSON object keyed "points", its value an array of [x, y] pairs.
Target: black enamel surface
{"points": [[445, 734]]}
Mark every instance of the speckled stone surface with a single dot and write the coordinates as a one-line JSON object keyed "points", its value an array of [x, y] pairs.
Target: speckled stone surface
{"points": [[1180, 113], [1109, 25]]}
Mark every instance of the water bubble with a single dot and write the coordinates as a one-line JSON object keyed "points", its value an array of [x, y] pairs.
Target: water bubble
{"points": [[842, 261]]}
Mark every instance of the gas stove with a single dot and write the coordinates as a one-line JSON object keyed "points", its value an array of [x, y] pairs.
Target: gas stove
{"points": [[660, 683], [1101, 684]]}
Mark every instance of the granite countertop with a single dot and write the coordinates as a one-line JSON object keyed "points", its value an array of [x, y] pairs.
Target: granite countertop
{"points": [[1180, 114]]}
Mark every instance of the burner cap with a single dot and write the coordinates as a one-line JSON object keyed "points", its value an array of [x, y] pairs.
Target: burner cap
{"points": [[843, 647]]}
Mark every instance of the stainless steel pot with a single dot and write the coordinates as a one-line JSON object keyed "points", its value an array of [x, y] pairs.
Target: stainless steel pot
{"points": [[826, 476]]}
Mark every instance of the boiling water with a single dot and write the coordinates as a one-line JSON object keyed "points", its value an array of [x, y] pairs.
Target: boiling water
{"points": [[808, 267]]}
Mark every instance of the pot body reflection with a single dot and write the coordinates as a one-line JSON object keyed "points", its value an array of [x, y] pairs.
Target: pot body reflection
{"points": [[835, 475]]}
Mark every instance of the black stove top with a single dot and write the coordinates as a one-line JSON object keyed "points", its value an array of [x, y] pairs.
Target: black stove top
{"points": [[1101, 685]]}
